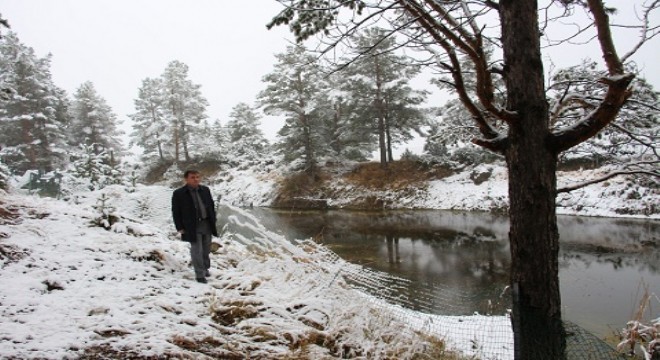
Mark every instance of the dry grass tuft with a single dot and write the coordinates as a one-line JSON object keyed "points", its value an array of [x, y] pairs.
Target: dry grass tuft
{"points": [[155, 256], [10, 253], [397, 175], [302, 190], [112, 332], [9, 214], [232, 312], [184, 342], [105, 351]]}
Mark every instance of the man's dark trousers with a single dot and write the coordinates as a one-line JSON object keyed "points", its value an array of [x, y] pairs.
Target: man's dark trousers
{"points": [[200, 249]]}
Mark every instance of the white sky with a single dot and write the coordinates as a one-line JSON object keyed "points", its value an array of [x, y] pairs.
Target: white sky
{"points": [[117, 43]]}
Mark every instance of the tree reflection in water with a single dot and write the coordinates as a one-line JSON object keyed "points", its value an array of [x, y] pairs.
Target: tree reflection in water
{"points": [[458, 262]]}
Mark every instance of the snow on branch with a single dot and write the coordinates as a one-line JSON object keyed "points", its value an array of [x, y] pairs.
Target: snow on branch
{"points": [[570, 188], [617, 94]]}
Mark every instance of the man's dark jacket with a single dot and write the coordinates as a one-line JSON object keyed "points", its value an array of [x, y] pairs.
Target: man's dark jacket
{"points": [[185, 214]]}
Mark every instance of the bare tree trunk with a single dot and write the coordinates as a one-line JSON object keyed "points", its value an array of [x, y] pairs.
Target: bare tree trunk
{"points": [[26, 128], [184, 141], [336, 144], [532, 165], [176, 143], [160, 148], [309, 148], [154, 118], [310, 160], [388, 138], [381, 118]]}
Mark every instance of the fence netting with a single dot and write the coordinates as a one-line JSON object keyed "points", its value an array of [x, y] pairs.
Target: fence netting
{"points": [[475, 335]]}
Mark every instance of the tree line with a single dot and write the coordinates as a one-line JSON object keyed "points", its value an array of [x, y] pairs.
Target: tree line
{"points": [[43, 128], [330, 113]]}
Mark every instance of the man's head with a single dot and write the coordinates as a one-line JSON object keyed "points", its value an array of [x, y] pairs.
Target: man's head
{"points": [[192, 178]]}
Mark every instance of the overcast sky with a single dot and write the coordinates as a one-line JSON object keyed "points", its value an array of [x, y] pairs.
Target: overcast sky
{"points": [[117, 43]]}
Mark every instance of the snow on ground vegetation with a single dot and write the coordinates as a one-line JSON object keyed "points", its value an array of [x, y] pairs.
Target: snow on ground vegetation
{"points": [[72, 289]]}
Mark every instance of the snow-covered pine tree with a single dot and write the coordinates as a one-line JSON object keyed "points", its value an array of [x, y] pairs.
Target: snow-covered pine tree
{"points": [[204, 143], [149, 122], [94, 167], [220, 136], [292, 90], [379, 83], [246, 139], [31, 123], [185, 109], [346, 136], [93, 123]]}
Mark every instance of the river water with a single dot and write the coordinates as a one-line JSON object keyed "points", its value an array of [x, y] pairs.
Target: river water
{"points": [[458, 262]]}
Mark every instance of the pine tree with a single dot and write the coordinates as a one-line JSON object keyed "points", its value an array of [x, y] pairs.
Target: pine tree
{"points": [[185, 108], [245, 137], [93, 123], [379, 85], [149, 123], [293, 89], [31, 123], [96, 167], [346, 137], [220, 136]]}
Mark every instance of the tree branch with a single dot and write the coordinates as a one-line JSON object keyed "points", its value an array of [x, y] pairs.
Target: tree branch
{"points": [[617, 92], [494, 140], [602, 22], [645, 31], [570, 188]]}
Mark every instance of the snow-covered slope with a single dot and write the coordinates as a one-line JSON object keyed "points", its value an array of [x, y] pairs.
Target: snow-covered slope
{"points": [[75, 290], [482, 188]]}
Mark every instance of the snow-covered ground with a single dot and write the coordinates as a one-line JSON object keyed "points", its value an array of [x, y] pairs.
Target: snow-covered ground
{"points": [[483, 188], [71, 289]]}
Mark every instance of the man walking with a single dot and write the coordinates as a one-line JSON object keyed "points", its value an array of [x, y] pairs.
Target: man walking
{"points": [[194, 218]]}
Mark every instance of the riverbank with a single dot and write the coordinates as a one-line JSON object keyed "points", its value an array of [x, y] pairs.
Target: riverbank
{"points": [[414, 186], [72, 289]]}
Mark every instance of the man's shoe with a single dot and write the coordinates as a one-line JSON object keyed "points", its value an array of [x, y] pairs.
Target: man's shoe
{"points": [[207, 273], [201, 280]]}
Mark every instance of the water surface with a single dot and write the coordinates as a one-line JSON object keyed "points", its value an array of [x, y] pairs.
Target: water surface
{"points": [[458, 262]]}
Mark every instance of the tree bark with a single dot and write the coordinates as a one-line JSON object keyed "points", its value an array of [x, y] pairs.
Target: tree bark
{"points": [[184, 141], [309, 148], [381, 118], [154, 119], [532, 165], [176, 131], [176, 143], [388, 136]]}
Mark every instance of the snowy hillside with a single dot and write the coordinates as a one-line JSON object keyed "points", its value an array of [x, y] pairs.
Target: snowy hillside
{"points": [[75, 290], [482, 188]]}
